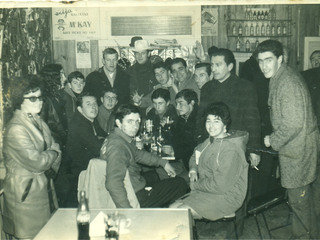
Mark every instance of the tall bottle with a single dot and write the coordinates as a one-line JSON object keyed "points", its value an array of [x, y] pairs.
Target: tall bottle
{"points": [[240, 30], [263, 30], [247, 45], [268, 32], [279, 32], [273, 30], [238, 45], [257, 29], [251, 30], [246, 30], [83, 217]]}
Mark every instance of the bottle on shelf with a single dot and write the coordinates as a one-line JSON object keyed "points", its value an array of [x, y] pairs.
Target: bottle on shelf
{"points": [[246, 30], [268, 31], [238, 44], [250, 14], [266, 15], [279, 32], [262, 15], [258, 15], [284, 29], [240, 30], [251, 30], [247, 45], [273, 30], [83, 217], [256, 43], [263, 30], [257, 30], [234, 30], [254, 16]]}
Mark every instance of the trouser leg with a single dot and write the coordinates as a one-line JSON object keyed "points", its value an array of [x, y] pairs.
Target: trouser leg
{"points": [[301, 202], [315, 186], [163, 193]]}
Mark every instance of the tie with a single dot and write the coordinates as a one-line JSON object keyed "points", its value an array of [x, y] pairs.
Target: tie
{"points": [[211, 139]]}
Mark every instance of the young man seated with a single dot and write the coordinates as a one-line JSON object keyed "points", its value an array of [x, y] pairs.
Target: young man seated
{"points": [[85, 138], [71, 91], [105, 116], [121, 155]]}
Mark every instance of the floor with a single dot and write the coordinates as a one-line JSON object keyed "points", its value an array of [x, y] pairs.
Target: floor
{"points": [[276, 216]]}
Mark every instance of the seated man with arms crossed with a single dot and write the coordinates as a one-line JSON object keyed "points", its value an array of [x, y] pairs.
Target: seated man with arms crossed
{"points": [[121, 155]]}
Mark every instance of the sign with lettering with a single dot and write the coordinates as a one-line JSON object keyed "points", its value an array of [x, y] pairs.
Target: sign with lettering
{"points": [[75, 23]]}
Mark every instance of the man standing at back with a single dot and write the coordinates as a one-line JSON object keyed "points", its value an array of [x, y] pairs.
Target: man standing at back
{"points": [[110, 76], [295, 135]]}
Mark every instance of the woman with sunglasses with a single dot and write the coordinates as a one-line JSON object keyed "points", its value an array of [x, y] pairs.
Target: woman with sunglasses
{"points": [[31, 155]]}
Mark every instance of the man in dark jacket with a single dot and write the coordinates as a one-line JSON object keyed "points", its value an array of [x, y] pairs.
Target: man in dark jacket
{"points": [[85, 138], [110, 76], [122, 155]]}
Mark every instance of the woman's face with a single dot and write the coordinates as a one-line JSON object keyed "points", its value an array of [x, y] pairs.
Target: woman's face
{"points": [[215, 126], [32, 102]]}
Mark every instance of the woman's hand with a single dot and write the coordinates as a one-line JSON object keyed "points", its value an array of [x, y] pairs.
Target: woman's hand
{"points": [[193, 176]]}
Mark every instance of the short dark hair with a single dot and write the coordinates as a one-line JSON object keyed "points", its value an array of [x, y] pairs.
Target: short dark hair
{"points": [[220, 110], [314, 52], [124, 110], [21, 86], [160, 65], [227, 54], [75, 74], [178, 60], [273, 46], [112, 90], [162, 93], [109, 51], [211, 50], [188, 95], [206, 65], [81, 96]]}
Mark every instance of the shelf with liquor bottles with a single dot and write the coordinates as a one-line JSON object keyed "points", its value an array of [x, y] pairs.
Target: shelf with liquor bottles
{"points": [[257, 24]]}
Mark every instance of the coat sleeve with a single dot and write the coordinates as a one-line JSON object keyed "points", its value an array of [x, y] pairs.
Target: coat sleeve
{"points": [[117, 156], [292, 110], [224, 177], [24, 151]]}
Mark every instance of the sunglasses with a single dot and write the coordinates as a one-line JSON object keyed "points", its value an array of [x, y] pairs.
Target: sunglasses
{"points": [[33, 99]]}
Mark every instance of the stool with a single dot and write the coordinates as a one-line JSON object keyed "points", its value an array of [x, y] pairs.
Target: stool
{"points": [[229, 218]]}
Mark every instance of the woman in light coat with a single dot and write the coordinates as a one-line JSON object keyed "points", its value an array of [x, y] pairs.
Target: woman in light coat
{"points": [[31, 157]]}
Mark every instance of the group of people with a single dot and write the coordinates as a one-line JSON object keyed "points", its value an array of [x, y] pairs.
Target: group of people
{"points": [[207, 120]]}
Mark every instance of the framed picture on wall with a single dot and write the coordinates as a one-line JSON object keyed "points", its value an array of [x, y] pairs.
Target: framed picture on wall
{"points": [[310, 45]]}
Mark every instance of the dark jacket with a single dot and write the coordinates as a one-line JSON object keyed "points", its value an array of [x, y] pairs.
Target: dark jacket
{"points": [[97, 82], [121, 154], [70, 102], [241, 98], [82, 143]]}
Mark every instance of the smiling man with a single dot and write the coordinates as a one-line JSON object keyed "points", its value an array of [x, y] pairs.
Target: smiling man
{"points": [[121, 155], [85, 138], [295, 135]]}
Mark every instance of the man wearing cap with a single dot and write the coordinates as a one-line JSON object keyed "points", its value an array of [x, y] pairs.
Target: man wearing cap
{"points": [[110, 76], [142, 79]]}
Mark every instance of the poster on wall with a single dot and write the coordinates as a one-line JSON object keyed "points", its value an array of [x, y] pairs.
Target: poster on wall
{"points": [[83, 56], [72, 23], [209, 22]]}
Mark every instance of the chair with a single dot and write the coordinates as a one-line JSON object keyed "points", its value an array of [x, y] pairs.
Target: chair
{"points": [[229, 218], [93, 180]]}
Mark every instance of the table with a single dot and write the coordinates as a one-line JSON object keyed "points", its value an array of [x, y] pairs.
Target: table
{"points": [[147, 223]]}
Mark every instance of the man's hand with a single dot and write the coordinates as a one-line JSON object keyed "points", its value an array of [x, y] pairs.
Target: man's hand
{"points": [[136, 98], [267, 141], [193, 176], [199, 52], [254, 159], [170, 170], [167, 149]]}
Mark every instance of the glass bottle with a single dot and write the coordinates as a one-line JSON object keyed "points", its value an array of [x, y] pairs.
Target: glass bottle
{"points": [[234, 30], [257, 29], [262, 15], [257, 43], [251, 30], [240, 30], [266, 15], [268, 30], [247, 45], [273, 30], [254, 17], [238, 45], [279, 29], [263, 30], [259, 15], [246, 30], [284, 29], [83, 217]]}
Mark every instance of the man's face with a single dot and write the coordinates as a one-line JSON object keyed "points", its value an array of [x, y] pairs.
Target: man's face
{"points": [[215, 126], [220, 69], [315, 60], [130, 124], [160, 105], [179, 72], [162, 75], [77, 85], [109, 100], [141, 57], [183, 107], [110, 62], [89, 107], [201, 76], [269, 63]]}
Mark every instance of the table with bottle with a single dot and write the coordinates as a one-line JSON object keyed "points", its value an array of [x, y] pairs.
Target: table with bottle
{"points": [[148, 223]]}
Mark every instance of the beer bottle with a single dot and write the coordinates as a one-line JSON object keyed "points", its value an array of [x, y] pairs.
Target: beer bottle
{"points": [[83, 217]]}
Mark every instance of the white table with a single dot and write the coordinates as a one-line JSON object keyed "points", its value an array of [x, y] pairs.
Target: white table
{"points": [[147, 223]]}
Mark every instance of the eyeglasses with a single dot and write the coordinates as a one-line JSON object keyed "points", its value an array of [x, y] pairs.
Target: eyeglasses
{"points": [[111, 98], [33, 99]]}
